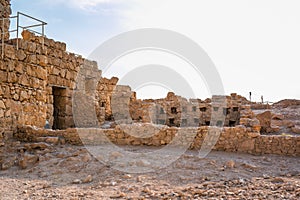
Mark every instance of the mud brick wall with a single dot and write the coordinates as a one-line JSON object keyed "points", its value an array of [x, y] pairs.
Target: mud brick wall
{"points": [[5, 12], [232, 139]]}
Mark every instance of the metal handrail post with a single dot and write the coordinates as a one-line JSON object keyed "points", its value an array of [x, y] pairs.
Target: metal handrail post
{"points": [[43, 33], [18, 15]]}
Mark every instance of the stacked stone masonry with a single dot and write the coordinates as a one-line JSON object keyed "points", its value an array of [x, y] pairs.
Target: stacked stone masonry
{"points": [[34, 78], [41, 84], [231, 139]]}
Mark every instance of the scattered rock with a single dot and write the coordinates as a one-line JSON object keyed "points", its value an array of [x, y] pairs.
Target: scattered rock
{"points": [[76, 181], [52, 140], [278, 117], [230, 164], [28, 160], [88, 179], [86, 158], [249, 166], [127, 176], [277, 180], [40, 145], [8, 164]]}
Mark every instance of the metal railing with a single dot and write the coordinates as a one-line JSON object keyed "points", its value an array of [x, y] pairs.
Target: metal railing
{"points": [[39, 23]]}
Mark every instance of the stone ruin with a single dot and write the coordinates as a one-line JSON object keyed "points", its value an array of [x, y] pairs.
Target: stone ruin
{"points": [[40, 79]]}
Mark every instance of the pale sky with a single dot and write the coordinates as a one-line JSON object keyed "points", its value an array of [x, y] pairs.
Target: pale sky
{"points": [[254, 44]]}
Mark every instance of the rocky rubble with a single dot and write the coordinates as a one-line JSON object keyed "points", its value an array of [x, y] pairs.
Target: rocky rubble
{"points": [[41, 170]]}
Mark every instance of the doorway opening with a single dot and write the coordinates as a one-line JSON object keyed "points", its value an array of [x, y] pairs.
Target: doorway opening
{"points": [[59, 107]]}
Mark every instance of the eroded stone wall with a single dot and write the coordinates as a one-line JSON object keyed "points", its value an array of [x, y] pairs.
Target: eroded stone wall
{"points": [[177, 111], [232, 139], [105, 90]]}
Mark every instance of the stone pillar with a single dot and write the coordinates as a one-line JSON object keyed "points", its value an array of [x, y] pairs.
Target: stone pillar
{"points": [[5, 12]]}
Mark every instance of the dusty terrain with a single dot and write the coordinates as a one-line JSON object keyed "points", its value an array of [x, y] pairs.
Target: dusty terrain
{"points": [[43, 171]]}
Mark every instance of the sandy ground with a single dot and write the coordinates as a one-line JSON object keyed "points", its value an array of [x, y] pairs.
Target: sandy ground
{"points": [[71, 172]]}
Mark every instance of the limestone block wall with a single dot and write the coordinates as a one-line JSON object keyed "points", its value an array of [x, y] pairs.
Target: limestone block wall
{"points": [[37, 82], [232, 139], [142, 111], [120, 104], [22, 88], [178, 111], [105, 90], [5, 12]]}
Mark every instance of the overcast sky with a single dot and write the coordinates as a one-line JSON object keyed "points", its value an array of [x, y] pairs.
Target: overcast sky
{"points": [[254, 44]]}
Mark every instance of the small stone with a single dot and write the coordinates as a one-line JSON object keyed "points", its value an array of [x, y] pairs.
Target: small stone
{"points": [[229, 193], [86, 158], [7, 165], [127, 176], [118, 195], [249, 166], [46, 186], [2, 105], [113, 183], [76, 181], [265, 176], [139, 179], [230, 164], [88, 179], [52, 140], [289, 188], [40, 145], [28, 160], [277, 180]]}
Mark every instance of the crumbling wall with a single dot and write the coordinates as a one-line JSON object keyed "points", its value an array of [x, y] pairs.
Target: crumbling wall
{"points": [[104, 91], [5, 12], [180, 112], [232, 139]]}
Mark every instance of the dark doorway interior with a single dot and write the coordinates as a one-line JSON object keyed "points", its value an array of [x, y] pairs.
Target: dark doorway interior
{"points": [[59, 107]]}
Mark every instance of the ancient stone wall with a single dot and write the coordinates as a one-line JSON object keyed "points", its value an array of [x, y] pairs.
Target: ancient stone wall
{"points": [[180, 112], [5, 12], [37, 82], [39, 78], [105, 90], [232, 139]]}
